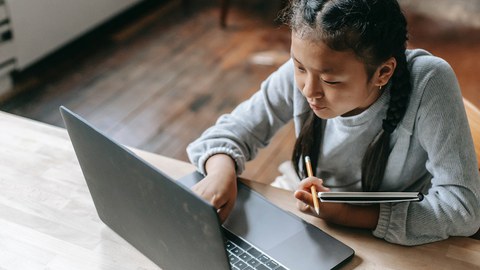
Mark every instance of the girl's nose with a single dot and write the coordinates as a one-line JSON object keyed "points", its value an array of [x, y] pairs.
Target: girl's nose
{"points": [[312, 88]]}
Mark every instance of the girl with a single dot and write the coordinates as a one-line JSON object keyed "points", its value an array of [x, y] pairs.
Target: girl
{"points": [[372, 116]]}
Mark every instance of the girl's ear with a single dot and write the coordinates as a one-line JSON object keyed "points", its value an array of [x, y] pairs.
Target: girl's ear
{"points": [[385, 71]]}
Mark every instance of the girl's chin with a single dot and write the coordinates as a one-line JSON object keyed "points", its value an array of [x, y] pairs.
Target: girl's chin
{"points": [[324, 113]]}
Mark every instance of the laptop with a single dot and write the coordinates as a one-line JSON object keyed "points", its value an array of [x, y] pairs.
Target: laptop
{"points": [[176, 229]]}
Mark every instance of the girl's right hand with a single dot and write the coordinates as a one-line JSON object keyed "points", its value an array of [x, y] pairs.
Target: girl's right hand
{"points": [[219, 187]]}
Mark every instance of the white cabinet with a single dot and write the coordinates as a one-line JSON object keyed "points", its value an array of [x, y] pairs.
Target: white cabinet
{"points": [[35, 28], [7, 49]]}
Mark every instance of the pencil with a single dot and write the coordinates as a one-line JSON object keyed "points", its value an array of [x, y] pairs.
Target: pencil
{"points": [[313, 189]]}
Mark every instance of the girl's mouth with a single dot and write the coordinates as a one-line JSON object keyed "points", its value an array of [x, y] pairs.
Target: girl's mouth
{"points": [[316, 107]]}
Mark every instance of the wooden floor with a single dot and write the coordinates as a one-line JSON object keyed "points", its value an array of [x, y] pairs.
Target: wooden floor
{"points": [[156, 80]]}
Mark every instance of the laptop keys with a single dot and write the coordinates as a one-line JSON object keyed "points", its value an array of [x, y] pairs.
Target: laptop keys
{"points": [[240, 265], [233, 259], [244, 256], [254, 252], [249, 258], [272, 264], [262, 267]]}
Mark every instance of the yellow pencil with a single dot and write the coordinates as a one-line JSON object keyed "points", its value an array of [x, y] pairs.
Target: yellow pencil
{"points": [[313, 189]]}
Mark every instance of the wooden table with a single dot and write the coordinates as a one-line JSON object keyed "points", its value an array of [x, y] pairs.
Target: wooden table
{"points": [[48, 220]]}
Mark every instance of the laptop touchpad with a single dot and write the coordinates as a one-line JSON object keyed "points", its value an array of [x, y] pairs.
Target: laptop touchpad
{"points": [[260, 222], [255, 219]]}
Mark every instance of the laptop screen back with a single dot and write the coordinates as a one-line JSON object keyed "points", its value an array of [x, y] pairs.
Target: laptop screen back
{"points": [[163, 220]]}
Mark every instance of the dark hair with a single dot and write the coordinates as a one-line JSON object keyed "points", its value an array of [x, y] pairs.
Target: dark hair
{"points": [[374, 30]]}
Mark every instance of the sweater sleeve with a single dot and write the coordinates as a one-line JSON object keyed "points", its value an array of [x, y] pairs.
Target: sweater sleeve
{"points": [[250, 125], [451, 206]]}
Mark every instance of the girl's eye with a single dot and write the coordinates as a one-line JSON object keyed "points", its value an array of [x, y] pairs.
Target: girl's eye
{"points": [[330, 82], [301, 69]]}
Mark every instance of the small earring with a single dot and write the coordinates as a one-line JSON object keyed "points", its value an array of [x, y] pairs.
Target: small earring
{"points": [[380, 88]]}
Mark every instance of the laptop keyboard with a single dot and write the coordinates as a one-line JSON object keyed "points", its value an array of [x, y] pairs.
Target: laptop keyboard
{"points": [[244, 256]]}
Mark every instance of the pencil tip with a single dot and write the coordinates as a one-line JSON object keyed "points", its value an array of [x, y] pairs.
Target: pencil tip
{"points": [[317, 211]]}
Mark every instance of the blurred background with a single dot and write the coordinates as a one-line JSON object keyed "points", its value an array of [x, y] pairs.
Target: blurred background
{"points": [[155, 74]]}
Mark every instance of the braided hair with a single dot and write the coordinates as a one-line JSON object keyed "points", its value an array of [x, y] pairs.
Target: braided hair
{"points": [[375, 30]]}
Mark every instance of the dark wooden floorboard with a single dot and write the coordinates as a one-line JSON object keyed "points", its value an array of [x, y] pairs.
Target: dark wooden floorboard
{"points": [[157, 80]]}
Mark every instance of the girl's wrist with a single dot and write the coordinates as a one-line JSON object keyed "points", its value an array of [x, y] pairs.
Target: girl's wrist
{"points": [[220, 164]]}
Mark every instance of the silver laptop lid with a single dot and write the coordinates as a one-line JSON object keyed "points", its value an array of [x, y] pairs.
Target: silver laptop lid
{"points": [[164, 220]]}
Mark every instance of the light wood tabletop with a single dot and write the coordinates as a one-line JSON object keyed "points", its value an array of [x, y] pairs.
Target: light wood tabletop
{"points": [[48, 220]]}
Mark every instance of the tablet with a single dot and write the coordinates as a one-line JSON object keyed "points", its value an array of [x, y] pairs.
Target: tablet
{"points": [[370, 197]]}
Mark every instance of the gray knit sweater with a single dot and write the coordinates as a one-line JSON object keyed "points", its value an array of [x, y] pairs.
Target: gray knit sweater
{"points": [[431, 149]]}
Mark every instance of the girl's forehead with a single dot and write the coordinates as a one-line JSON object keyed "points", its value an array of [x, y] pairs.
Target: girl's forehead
{"points": [[318, 57], [315, 51]]}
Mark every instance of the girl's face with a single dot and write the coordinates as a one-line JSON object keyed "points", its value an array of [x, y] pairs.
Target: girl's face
{"points": [[334, 83]]}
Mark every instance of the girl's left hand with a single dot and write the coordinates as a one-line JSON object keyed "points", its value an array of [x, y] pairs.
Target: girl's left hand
{"points": [[333, 212]]}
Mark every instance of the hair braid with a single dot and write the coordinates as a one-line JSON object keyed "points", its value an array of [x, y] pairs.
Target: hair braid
{"points": [[307, 144], [376, 157], [399, 94]]}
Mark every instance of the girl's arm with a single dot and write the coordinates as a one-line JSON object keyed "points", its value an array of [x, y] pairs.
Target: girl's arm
{"points": [[222, 150], [250, 125], [451, 206]]}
